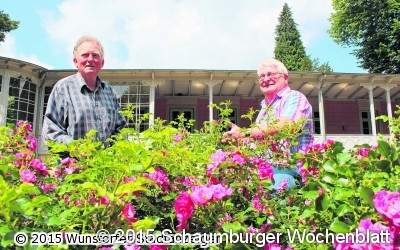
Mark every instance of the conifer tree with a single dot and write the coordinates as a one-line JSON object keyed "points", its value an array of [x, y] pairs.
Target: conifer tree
{"points": [[289, 48], [6, 25]]}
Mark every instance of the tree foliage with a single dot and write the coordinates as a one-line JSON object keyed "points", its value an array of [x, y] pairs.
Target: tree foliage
{"points": [[6, 25], [373, 27], [289, 48]]}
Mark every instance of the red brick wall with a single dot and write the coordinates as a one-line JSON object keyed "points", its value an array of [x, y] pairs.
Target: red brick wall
{"points": [[161, 108], [342, 117], [201, 111]]}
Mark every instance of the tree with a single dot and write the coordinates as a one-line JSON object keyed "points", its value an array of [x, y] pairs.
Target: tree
{"points": [[289, 48], [373, 27], [321, 67], [6, 25]]}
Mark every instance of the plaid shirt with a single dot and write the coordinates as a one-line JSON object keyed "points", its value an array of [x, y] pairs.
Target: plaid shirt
{"points": [[293, 105], [73, 109]]}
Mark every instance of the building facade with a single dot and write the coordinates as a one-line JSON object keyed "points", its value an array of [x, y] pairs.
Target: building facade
{"points": [[345, 105]]}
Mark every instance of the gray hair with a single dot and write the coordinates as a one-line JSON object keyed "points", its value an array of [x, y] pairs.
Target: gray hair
{"points": [[273, 63], [83, 39]]}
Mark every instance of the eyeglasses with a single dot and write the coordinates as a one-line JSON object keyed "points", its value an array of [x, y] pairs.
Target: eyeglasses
{"points": [[272, 75]]}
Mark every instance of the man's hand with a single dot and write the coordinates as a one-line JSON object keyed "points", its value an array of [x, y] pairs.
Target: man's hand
{"points": [[234, 134]]}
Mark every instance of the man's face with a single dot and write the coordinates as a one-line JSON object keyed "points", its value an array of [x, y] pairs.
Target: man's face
{"points": [[88, 59], [271, 81]]}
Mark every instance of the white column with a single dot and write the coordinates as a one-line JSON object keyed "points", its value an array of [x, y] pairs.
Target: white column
{"points": [[372, 109], [321, 114], [4, 97], [210, 102], [152, 98], [388, 87], [211, 83]]}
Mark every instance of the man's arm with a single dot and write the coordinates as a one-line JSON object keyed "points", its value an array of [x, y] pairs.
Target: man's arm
{"points": [[56, 118]]}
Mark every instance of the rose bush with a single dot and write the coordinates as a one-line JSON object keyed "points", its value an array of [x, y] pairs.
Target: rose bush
{"points": [[168, 178]]}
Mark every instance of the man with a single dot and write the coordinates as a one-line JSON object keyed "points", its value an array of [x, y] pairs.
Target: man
{"points": [[81, 102], [287, 106]]}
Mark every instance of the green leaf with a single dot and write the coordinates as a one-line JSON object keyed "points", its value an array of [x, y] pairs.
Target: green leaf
{"points": [[133, 186], [343, 158], [235, 227], [367, 195], [54, 221], [325, 202], [308, 213], [329, 178], [342, 194], [311, 195], [146, 223], [329, 166], [384, 149], [338, 226], [343, 209]]}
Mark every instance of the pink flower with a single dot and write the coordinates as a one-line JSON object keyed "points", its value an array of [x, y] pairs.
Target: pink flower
{"points": [[158, 247], [104, 200], [70, 170], [201, 195], [307, 202], [272, 246], [132, 247], [77, 203], [27, 175], [256, 133], [257, 204], [264, 168], [159, 177], [129, 212], [218, 157], [388, 204], [47, 187], [128, 179], [220, 191], [187, 181], [364, 226], [363, 152], [178, 137], [184, 208], [105, 248], [32, 143], [39, 166], [68, 161], [282, 186], [237, 158]]}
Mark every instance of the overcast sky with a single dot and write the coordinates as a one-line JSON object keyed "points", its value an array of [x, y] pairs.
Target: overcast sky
{"points": [[168, 34]]}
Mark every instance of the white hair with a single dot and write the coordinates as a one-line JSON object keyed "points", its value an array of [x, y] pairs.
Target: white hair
{"points": [[273, 63], [83, 39]]}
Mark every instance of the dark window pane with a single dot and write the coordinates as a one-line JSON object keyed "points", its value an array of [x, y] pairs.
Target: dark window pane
{"points": [[30, 118], [23, 106], [144, 99], [32, 87], [32, 96], [364, 115], [316, 114], [13, 92], [22, 116], [14, 82], [24, 94], [26, 85], [31, 109], [1, 81]]}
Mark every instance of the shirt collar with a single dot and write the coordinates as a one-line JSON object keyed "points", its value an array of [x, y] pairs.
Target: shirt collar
{"points": [[82, 84], [279, 95]]}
